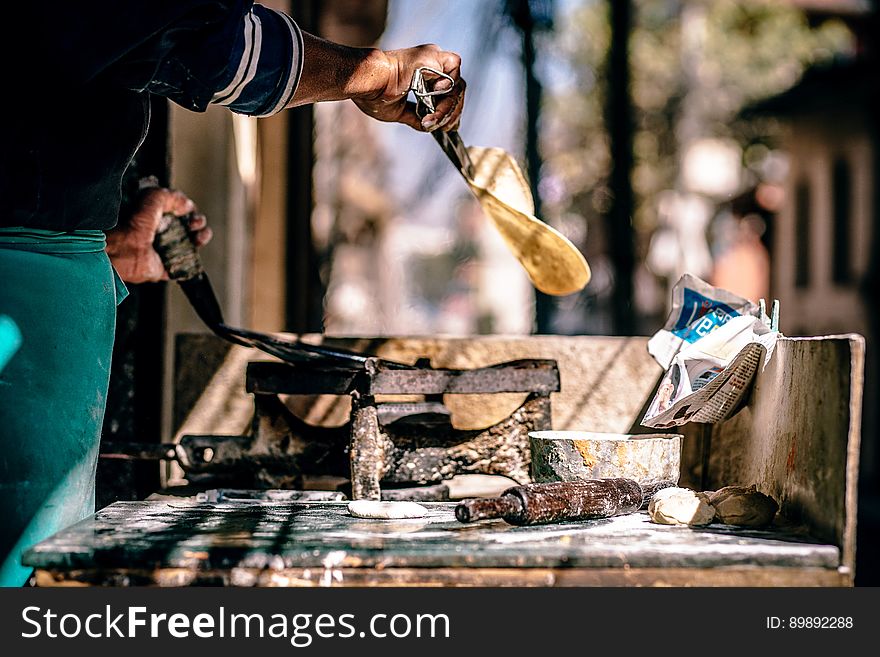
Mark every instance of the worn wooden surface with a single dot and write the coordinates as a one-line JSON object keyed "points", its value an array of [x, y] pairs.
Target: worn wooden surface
{"points": [[798, 436], [237, 538]]}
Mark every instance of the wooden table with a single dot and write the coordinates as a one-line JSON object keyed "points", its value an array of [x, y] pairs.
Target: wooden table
{"points": [[797, 438], [270, 543]]}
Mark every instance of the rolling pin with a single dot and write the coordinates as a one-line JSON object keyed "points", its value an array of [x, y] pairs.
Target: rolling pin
{"points": [[562, 501]]}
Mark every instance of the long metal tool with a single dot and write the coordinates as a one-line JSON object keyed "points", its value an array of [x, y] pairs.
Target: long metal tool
{"points": [[183, 265]]}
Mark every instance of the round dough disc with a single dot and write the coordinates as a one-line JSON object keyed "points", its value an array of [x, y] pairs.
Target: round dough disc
{"points": [[553, 263], [386, 510]]}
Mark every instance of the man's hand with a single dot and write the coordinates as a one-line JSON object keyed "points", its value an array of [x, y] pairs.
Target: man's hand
{"points": [[378, 81], [388, 102], [130, 245]]}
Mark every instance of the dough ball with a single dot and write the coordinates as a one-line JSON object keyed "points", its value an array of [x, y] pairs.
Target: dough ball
{"points": [[680, 506], [386, 510], [744, 507]]}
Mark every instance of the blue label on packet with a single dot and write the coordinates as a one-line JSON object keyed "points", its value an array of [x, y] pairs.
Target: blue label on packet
{"points": [[700, 316]]}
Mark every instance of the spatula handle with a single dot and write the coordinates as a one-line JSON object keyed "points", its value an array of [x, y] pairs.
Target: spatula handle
{"points": [[450, 141]]}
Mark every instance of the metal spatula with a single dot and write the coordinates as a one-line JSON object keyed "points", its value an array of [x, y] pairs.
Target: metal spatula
{"points": [[552, 262]]}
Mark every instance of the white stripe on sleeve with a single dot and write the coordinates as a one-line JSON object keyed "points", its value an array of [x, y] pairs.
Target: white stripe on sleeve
{"points": [[253, 64], [296, 65], [242, 64]]}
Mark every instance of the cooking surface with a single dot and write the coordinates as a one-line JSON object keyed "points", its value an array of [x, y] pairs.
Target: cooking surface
{"points": [[275, 535]]}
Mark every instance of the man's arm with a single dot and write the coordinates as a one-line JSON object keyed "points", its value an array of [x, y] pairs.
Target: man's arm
{"points": [[378, 81], [256, 61]]}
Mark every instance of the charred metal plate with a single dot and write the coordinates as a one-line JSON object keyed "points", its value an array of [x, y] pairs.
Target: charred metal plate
{"points": [[538, 376]]}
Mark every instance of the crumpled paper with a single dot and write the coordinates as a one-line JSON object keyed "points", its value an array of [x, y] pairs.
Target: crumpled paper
{"points": [[712, 345]]}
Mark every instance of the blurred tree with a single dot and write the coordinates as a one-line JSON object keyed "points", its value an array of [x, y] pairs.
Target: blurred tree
{"points": [[747, 50], [531, 16]]}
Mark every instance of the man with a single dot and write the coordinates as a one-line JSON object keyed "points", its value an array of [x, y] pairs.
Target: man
{"points": [[75, 110]]}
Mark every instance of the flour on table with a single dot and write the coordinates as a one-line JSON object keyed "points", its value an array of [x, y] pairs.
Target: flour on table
{"points": [[386, 510]]}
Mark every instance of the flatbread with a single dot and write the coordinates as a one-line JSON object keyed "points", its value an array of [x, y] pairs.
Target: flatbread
{"points": [[385, 510], [553, 263]]}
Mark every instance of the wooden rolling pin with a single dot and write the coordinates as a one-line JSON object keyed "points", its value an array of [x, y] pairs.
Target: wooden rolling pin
{"points": [[562, 501]]}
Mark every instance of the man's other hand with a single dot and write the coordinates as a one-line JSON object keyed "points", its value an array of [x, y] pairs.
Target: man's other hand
{"points": [[130, 245]]}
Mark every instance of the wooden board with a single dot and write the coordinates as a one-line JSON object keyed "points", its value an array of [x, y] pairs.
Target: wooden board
{"points": [[255, 539]]}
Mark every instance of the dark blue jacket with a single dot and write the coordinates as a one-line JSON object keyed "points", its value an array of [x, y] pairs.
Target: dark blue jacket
{"points": [[75, 103]]}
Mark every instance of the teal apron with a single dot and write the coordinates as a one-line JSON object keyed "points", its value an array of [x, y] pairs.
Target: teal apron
{"points": [[61, 291]]}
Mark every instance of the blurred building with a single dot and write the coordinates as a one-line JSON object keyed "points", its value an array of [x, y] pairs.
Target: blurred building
{"points": [[824, 235]]}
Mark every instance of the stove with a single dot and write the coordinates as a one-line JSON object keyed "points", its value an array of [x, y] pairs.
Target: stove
{"points": [[385, 446]]}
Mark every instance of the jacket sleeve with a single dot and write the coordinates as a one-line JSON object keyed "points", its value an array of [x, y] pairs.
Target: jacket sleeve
{"points": [[265, 64], [253, 66], [245, 56]]}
